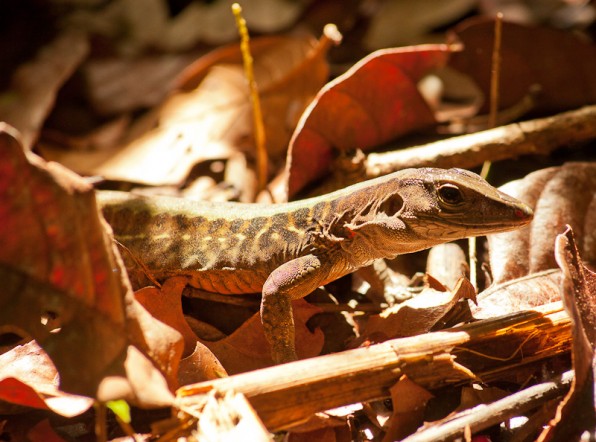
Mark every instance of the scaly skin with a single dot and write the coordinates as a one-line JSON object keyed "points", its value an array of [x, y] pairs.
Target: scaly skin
{"points": [[285, 251]]}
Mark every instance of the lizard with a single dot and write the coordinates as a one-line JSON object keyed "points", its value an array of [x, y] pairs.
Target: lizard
{"points": [[285, 251]]}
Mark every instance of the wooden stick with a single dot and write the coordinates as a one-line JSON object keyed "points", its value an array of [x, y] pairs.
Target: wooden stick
{"points": [[485, 416], [286, 395], [540, 136]]}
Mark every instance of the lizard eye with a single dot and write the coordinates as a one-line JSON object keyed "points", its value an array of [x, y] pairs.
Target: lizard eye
{"points": [[450, 195]]}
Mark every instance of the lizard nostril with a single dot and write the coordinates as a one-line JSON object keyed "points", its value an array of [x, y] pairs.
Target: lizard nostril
{"points": [[523, 213]]}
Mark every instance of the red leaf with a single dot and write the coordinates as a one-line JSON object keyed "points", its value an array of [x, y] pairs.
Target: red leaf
{"points": [[373, 102]]}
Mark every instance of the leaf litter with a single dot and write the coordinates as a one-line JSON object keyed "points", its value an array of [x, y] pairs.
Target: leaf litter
{"points": [[64, 265]]}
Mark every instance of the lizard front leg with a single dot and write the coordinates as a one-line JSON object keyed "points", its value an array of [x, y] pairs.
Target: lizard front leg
{"points": [[293, 280]]}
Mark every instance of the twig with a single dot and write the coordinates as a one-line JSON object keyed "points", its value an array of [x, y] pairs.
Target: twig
{"points": [[539, 136], [485, 416], [101, 433], [259, 128], [287, 394], [495, 73], [492, 122]]}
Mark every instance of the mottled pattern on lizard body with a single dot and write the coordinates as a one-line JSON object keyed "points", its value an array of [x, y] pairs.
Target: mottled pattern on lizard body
{"points": [[287, 250]]}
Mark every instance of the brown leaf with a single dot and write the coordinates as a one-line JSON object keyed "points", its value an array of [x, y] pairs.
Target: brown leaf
{"points": [[559, 196], [38, 387], [373, 102], [409, 401], [198, 363], [165, 305], [416, 315], [576, 416], [57, 260], [519, 294], [201, 365], [560, 64], [35, 84], [247, 349], [214, 119]]}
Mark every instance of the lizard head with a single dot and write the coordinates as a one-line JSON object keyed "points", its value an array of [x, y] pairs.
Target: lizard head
{"points": [[415, 209]]}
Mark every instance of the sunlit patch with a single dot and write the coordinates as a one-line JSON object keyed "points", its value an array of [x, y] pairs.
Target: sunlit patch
{"points": [[161, 236]]}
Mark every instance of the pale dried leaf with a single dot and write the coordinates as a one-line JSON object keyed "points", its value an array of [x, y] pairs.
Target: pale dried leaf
{"points": [[35, 84], [559, 196], [32, 367], [519, 294], [404, 22], [213, 120], [414, 316]]}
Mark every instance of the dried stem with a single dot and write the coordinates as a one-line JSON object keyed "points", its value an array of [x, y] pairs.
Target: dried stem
{"points": [[259, 126], [287, 394]]}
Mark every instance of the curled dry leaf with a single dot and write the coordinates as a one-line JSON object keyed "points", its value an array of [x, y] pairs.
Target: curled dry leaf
{"points": [[57, 260], [557, 63], [576, 416], [375, 101], [214, 119], [201, 365]]}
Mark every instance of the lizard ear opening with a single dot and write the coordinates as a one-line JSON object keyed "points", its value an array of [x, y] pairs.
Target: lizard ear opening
{"points": [[391, 205]]}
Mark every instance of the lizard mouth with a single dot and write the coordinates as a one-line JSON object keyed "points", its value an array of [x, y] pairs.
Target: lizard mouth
{"points": [[460, 228], [485, 228]]}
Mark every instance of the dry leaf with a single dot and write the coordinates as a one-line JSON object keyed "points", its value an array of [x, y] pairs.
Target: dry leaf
{"points": [[375, 101], [576, 416], [517, 295], [198, 363], [116, 85], [214, 119], [409, 402], [416, 315], [201, 365], [229, 416], [57, 260], [559, 196], [399, 23], [165, 305], [247, 349], [35, 84], [556, 62], [29, 379]]}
